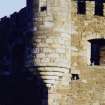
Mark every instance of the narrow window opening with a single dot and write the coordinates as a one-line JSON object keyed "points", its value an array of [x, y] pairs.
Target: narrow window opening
{"points": [[81, 7], [99, 7], [43, 8], [97, 52]]}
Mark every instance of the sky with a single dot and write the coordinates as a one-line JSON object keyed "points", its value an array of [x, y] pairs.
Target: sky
{"points": [[8, 7]]}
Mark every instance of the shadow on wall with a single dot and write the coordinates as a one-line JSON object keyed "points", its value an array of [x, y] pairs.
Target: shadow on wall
{"points": [[18, 85], [22, 87]]}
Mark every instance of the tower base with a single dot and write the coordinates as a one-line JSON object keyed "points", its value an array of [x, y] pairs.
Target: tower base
{"points": [[58, 97]]}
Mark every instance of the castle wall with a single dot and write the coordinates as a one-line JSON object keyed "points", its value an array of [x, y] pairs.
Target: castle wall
{"points": [[51, 38], [43, 41], [53, 50], [86, 27], [49, 46], [89, 90]]}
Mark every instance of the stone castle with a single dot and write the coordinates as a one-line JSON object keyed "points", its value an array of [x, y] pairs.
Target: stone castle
{"points": [[54, 50]]}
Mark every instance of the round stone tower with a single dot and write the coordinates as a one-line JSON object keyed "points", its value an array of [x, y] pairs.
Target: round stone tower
{"points": [[48, 45], [48, 42]]}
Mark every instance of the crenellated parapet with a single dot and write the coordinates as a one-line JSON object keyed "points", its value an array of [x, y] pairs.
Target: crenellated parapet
{"points": [[90, 7]]}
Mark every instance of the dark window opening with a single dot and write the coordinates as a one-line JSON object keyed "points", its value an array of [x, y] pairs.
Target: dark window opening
{"points": [[43, 8], [75, 77], [81, 7], [99, 7], [97, 52]]}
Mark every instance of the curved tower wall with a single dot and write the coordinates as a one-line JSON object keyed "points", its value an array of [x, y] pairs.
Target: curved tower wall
{"points": [[49, 47]]}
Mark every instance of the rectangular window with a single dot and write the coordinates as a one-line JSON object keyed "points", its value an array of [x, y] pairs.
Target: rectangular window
{"points": [[43, 8], [81, 7], [99, 7]]}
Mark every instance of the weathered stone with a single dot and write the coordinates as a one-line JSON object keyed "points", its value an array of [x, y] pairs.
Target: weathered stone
{"points": [[57, 42]]}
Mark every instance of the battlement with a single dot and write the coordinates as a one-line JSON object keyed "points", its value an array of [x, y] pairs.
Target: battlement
{"points": [[90, 7]]}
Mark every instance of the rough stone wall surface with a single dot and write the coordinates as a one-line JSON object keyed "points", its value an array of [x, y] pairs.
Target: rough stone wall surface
{"points": [[89, 90], [49, 46], [47, 40], [51, 40]]}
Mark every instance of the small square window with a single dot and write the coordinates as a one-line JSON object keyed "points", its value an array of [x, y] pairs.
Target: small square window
{"points": [[43, 8]]}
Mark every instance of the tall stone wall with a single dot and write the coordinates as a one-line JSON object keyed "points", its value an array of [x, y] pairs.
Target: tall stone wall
{"points": [[89, 90], [51, 37], [52, 50], [41, 37], [49, 45], [85, 27]]}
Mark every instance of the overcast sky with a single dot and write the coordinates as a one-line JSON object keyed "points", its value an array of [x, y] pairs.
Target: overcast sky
{"points": [[7, 7]]}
